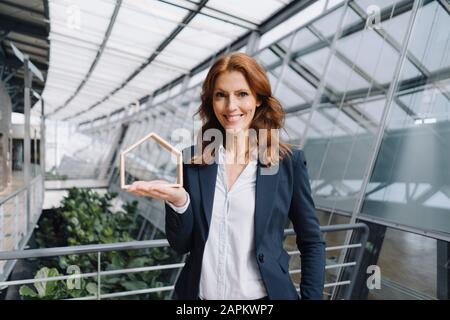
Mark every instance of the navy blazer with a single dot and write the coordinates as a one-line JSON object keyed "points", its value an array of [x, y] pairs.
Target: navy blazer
{"points": [[286, 194]]}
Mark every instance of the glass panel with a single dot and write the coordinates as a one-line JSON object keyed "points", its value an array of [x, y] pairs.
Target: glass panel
{"points": [[210, 27], [382, 4], [314, 62], [350, 106], [268, 57], [329, 23], [294, 126], [273, 56], [431, 41], [340, 77], [291, 90], [412, 165], [304, 38], [301, 18], [346, 120], [369, 44], [294, 75], [247, 9]]}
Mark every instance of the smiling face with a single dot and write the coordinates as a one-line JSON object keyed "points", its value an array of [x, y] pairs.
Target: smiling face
{"points": [[234, 103]]}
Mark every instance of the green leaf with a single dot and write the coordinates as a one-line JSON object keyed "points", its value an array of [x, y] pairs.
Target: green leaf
{"points": [[46, 288], [111, 280], [134, 285], [108, 231], [139, 262], [41, 287], [26, 291], [117, 261], [91, 287]]}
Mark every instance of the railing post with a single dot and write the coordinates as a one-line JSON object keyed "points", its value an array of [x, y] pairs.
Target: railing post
{"points": [[98, 275], [2, 234], [35, 207], [2, 225], [26, 211], [27, 141], [16, 210], [16, 223]]}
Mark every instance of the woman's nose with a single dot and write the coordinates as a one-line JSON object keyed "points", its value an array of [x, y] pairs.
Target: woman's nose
{"points": [[232, 103]]}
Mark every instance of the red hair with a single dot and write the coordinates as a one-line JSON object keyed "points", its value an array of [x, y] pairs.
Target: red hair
{"points": [[269, 115]]}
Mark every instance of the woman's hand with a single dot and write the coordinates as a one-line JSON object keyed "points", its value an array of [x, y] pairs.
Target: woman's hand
{"points": [[159, 189]]}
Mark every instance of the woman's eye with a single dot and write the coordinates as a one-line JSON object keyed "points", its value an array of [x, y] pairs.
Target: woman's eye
{"points": [[219, 94], [243, 94]]}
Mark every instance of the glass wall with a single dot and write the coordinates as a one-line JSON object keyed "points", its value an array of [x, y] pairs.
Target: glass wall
{"points": [[410, 183], [366, 90]]}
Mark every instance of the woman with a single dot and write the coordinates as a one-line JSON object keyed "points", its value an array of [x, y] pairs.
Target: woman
{"points": [[230, 215]]}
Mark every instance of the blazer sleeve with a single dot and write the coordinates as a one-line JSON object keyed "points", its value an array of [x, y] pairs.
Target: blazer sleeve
{"points": [[179, 226], [307, 228]]}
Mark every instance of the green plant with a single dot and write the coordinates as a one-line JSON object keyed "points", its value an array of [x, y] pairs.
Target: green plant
{"points": [[56, 289], [85, 217]]}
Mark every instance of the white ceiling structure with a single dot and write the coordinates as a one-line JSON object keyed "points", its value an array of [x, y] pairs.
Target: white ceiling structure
{"points": [[106, 54]]}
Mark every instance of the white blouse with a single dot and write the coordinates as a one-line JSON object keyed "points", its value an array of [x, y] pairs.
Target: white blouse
{"points": [[229, 268]]}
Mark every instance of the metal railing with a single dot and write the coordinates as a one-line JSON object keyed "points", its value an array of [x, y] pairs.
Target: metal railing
{"points": [[17, 221], [355, 264], [136, 245]]}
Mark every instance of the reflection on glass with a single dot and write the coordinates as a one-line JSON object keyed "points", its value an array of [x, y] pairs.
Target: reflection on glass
{"points": [[411, 173], [342, 131]]}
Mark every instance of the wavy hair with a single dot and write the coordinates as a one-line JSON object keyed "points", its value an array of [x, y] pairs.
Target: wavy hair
{"points": [[269, 115]]}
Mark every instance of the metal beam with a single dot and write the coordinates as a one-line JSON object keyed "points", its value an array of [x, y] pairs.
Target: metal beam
{"points": [[23, 27], [17, 64], [283, 14], [154, 55], [178, 5], [27, 140], [362, 73], [31, 54], [18, 80], [33, 45], [289, 11], [97, 57], [445, 5], [20, 7], [46, 15], [397, 46]]}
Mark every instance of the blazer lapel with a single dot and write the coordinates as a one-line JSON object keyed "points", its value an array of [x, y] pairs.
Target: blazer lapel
{"points": [[266, 189], [207, 176]]}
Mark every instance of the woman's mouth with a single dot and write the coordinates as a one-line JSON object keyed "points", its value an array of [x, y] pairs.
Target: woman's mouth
{"points": [[234, 118]]}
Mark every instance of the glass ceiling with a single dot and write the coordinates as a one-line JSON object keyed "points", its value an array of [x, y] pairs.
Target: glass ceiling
{"points": [[106, 54]]}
